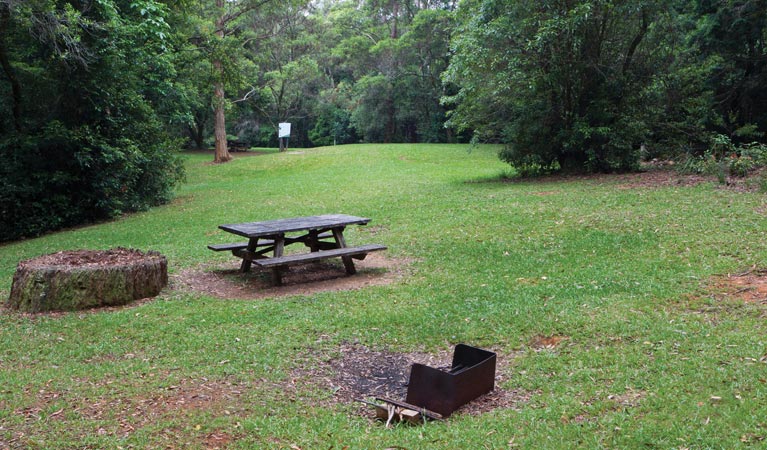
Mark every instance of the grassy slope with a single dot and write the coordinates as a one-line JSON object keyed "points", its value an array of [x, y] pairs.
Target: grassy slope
{"points": [[497, 264]]}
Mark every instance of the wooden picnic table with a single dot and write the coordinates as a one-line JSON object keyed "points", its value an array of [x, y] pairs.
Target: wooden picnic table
{"points": [[322, 234]]}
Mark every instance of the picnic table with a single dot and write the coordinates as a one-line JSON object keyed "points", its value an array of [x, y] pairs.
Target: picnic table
{"points": [[323, 235]]}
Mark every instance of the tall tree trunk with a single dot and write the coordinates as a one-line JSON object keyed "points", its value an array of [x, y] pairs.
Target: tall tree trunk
{"points": [[221, 154], [636, 41], [394, 32], [219, 127]]}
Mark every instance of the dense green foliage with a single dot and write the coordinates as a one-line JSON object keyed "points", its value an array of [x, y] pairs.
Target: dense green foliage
{"points": [[586, 85], [589, 85], [732, 36], [561, 82], [96, 95], [81, 136], [347, 71]]}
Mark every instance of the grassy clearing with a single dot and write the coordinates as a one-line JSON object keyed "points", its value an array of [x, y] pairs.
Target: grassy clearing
{"points": [[648, 357]]}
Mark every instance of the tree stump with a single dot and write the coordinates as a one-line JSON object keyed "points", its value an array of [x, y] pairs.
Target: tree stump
{"points": [[80, 279]]}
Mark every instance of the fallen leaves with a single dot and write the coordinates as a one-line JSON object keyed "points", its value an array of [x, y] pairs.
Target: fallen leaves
{"points": [[547, 342]]}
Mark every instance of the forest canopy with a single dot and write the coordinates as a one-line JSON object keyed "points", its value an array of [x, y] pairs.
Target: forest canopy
{"points": [[98, 96]]}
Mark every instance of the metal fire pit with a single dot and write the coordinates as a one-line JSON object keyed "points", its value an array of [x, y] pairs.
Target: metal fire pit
{"points": [[472, 374]]}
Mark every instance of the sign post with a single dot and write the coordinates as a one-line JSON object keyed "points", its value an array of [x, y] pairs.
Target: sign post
{"points": [[283, 134]]}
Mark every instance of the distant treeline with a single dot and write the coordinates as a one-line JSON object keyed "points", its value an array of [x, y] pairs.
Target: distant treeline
{"points": [[96, 96]]}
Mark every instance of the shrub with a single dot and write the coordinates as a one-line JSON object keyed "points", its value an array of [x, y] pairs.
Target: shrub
{"points": [[62, 177], [724, 158]]}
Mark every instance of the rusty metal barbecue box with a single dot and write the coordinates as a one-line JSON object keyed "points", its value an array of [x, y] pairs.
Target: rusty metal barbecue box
{"points": [[471, 375]]}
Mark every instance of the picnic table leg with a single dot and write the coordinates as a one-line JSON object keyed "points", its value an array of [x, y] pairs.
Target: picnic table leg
{"points": [[279, 248], [252, 246], [313, 240], [338, 234]]}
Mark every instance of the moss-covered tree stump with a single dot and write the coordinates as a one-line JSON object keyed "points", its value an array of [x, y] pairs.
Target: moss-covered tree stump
{"points": [[73, 280]]}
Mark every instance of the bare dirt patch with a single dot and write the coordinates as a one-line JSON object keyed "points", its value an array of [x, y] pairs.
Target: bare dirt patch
{"points": [[662, 174], [216, 397], [227, 282], [749, 286], [655, 178], [358, 372], [540, 343], [653, 175], [630, 398], [123, 415]]}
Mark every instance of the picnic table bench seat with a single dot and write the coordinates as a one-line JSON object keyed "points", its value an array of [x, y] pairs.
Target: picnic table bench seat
{"points": [[237, 245], [261, 243], [287, 260]]}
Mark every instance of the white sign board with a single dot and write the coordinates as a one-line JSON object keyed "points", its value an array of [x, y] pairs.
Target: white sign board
{"points": [[284, 130]]}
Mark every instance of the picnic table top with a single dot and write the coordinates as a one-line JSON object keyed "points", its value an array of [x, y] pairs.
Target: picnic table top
{"points": [[274, 227]]}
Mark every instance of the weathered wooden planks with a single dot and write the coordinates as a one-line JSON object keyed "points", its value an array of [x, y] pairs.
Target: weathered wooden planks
{"points": [[271, 227], [301, 258]]}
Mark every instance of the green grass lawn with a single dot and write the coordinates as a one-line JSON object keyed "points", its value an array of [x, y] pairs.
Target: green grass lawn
{"points": [[650, 357]]}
